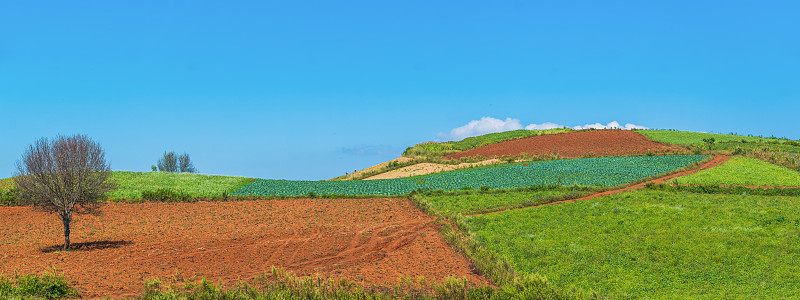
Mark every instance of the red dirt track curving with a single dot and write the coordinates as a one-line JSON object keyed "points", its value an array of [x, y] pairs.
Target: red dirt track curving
{"points": [[572, 145], [372, 241]]}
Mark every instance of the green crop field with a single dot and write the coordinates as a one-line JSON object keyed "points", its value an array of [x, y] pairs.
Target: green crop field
{"points": [[654, 244], [131, 184], [473, 202], [687, 137], [745, 171], [605, 171]]}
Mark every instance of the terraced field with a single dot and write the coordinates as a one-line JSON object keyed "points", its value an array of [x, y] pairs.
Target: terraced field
{"points": [[607, 171], [673, 137], [572, 145], [745, 171]]}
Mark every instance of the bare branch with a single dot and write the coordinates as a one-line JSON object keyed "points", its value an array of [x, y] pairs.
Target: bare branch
{"points": [[57, 175]]}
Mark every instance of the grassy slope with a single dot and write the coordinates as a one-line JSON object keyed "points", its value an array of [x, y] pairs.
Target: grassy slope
{"points": [[657, 244], [687, 137], [131, 184], [745, 171]]}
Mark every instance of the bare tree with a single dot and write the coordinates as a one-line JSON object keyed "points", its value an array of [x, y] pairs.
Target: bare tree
{"points": [[57, 175], [168, 162], [186, 165]]}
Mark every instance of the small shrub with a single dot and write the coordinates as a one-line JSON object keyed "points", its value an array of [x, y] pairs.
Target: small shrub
{"points": [[9, 197], [710, 142], [47, 286]]}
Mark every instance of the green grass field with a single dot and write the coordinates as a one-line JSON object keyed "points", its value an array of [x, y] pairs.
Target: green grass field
{"points": [[131, 184], [687, 137], [745, 171], [473, 202], [604, 171], [767, 147], [657, 245]]}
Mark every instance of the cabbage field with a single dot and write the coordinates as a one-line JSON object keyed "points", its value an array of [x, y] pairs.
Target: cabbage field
{"points": [[605, 171]]}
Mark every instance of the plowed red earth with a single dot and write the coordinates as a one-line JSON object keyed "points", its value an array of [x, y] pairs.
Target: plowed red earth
{"points": [[372, 241], [572, 145]]}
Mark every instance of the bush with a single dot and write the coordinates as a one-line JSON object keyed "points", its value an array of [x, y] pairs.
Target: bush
{"points": [[9, 197], [48, 286]]}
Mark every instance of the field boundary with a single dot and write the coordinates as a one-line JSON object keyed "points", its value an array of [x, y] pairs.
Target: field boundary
{"points": [[716, 161]]}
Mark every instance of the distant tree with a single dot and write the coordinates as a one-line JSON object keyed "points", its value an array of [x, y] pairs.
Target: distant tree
{"points": [[61, 174], [168, 162], [173, 163], [186, 165]]}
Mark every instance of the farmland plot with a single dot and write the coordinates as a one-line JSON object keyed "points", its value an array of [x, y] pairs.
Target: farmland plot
{"points": [[745, 171], [653, 244], [132, 184], [373, 241], [687, 137], [572, 145], [607, 171]]}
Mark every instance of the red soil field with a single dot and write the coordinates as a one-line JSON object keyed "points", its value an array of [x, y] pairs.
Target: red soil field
{"points": [[372, 241], [572, 145]]}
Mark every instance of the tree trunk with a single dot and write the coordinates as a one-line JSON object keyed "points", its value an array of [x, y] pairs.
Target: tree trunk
{"points": [[66, 220]]}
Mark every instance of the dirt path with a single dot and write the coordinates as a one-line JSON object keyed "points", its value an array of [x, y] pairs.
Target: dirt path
{"points": [[716, 161], [371, 241], [359, 173]]}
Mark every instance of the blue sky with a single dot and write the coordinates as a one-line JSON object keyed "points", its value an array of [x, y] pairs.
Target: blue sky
{"points": [[311, 89]]}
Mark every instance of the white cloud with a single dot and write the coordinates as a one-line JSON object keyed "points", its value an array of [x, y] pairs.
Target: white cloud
{"points": [[543, 126], [630, 126], [611, 125], [483, 126], [491, 125]]}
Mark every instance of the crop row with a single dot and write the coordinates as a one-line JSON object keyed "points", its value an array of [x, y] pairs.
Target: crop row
{"points": [[606, 171]]}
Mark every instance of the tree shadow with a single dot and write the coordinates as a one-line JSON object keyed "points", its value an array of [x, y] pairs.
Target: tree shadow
{"points": [[87, 246]]}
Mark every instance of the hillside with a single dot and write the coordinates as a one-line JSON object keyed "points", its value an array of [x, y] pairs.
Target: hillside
{"points": [[623, 214]]}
